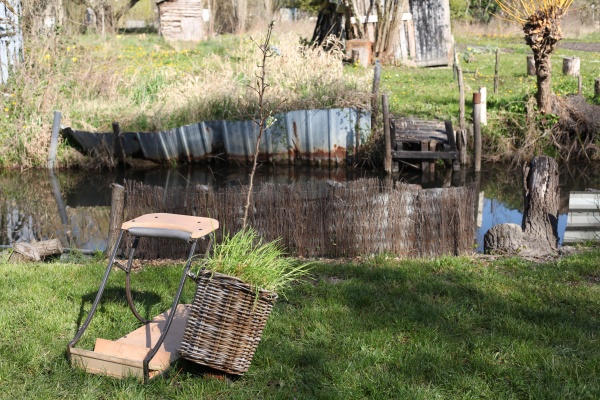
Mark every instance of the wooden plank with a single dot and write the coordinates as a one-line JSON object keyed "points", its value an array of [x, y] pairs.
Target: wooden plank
{"points": [[450, 135], [431, 155], [586, 219], [133, 352], [424, 164], [584, 201], [583, 221], [419, 138], [124, 357], [94, 363], [580, 236], [148, 334]]}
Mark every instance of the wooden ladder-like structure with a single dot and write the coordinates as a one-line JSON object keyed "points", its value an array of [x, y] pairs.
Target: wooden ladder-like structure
{"points": [[425, 141]]}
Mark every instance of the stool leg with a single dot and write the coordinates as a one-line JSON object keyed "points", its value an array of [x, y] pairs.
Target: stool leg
{"points": [[98, 295], [143, 320], [169, 320]]}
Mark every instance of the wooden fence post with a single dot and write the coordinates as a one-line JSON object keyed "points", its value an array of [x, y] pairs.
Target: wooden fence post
{"points": [[461, 103], [54, 139], [375, 93], [477, 130], [579, 84], [117, 207], [452, 139], [387, 163], [497, 71], [118, 150], [571, 66]]}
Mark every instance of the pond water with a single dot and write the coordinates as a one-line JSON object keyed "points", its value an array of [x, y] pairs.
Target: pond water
{"points": [[75, 205]]}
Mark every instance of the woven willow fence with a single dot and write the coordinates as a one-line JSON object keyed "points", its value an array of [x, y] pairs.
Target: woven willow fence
{"points": [[323, 219]]}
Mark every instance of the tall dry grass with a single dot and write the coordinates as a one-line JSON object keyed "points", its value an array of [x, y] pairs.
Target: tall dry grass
{"points": [[146, 84]]}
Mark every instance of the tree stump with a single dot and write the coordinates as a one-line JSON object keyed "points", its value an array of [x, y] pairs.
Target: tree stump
{"points": [[571, 66], [503, 239], [530, 66], [538, 233], [597, 88], [541, 204]]}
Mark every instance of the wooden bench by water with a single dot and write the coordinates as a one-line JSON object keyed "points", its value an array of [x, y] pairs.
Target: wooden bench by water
{"points": [[424, 141]]}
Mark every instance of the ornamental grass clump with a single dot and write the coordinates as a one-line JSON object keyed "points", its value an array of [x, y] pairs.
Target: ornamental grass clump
{"points": [[245, 256]]}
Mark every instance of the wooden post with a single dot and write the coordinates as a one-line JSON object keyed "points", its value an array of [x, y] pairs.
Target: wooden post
{"points": [[60, 204], [387, 163], [461, 91], [597, 88], [461, 144], [54, 139], [432, 163], [571, 66], [424, 164], [117, 206], [375, 93], [118, 150], [452, 143], [355, 57], [477, 130], [496, 71], [483, 93], [531, 70], [579, 84]]}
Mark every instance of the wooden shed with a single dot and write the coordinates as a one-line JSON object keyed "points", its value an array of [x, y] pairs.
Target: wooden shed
{"points": [[181, 20]]}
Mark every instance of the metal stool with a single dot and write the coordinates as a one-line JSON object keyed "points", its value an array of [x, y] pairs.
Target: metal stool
{"points": [[160, 225]]}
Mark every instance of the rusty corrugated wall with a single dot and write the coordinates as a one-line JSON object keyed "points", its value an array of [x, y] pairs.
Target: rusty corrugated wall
{"points": [[325, 136]]}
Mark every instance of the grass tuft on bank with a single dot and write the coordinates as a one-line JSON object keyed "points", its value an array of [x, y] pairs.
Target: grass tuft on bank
{"points": [[378, 328]]}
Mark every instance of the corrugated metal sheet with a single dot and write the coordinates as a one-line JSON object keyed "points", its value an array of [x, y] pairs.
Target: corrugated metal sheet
{"points": [[89, 141], [11, 39], [307, 136]]}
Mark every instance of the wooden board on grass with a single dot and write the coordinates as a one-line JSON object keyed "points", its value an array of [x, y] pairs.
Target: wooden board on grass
{"points": [[124, 357]]}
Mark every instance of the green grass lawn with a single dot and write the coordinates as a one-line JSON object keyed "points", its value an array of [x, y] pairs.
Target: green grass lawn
{"points": [[450, 328]]}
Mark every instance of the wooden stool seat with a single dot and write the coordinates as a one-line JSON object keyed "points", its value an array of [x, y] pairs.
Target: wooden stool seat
{"points": [[173, 226]]}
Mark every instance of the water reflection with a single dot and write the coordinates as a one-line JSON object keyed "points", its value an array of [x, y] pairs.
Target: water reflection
{"points": [[74, 206]]}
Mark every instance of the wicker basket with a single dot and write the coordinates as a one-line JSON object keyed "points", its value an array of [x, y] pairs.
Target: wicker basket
{"points": [[225, 323]]}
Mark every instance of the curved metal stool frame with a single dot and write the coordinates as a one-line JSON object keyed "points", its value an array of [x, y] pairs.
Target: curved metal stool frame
{"points": [[172, 232]]}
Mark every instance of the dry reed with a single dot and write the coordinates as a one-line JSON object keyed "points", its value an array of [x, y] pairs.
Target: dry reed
{"points": [[324, 218]]}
